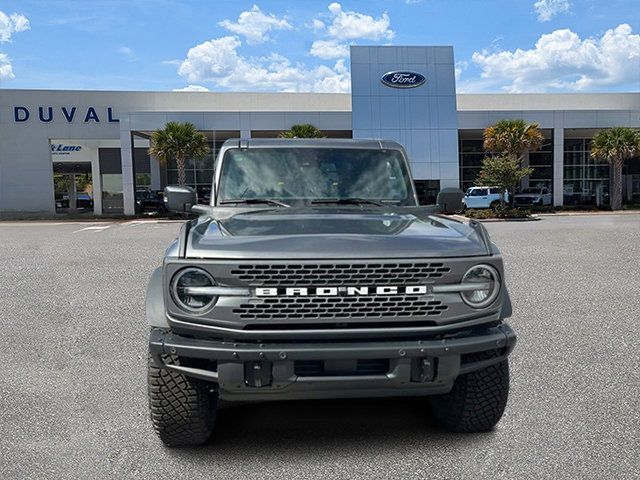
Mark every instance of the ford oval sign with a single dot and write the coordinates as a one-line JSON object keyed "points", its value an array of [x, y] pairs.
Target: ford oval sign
{"points": [[401, 79]]}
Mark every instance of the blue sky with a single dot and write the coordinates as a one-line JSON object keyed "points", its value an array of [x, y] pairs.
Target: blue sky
{"points": [[302, 45]]}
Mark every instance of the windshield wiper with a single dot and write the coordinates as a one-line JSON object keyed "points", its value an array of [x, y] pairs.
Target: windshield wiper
{"points": [[251, 201], [347, 201]]}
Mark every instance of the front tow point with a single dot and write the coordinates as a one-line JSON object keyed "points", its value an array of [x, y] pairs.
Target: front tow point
{"points": [[422, 370]]}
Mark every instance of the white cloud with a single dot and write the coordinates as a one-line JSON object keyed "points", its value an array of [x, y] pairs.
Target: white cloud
{"points": [[354, 25], [347, 26], [6, 69], [317, 25], [211, 59], [547, 9], [329, 49], [192, 88], [460, 67], [127, 53], [10, 24], [218, 61], [254, 25], [563, 61]]}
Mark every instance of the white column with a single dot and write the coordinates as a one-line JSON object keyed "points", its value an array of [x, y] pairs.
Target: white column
{"points": [[96, 184], [126, 159], [558, 166], [245, 133]]}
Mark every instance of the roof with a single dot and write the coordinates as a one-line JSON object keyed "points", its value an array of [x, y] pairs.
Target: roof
{"points": [[313, 142]]}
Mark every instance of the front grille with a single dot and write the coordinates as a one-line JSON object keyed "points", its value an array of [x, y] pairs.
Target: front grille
{"points": [[339, 307], [340, 274]]}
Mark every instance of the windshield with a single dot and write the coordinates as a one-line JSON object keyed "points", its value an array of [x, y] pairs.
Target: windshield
{"points": [[306, 174], [531, 190], [476, 192]]}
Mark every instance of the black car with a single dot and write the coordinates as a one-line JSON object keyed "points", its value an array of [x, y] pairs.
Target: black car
{"points": [[150, 201]]}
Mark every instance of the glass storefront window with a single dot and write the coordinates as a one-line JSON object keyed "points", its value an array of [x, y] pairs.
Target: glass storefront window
{"points": [[112, 198], [586, 181], [472, 154], [143, 180]]}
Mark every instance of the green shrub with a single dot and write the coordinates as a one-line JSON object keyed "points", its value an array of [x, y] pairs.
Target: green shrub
{"points": [[507, 212]]}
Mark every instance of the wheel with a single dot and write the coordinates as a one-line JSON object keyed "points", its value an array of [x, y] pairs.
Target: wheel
{"points": [[495, 205], [162, 210], [476, 402], [183, 409]]}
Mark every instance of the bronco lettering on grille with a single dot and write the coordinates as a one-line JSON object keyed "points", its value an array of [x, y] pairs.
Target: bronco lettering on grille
{"points": [[340, 291]]}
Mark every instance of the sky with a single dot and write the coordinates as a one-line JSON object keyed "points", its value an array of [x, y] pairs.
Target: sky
{"points": [[509, 46]]}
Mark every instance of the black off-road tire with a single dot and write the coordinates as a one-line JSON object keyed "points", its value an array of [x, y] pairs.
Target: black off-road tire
{"points": [[495, 205], [476, 402], [183, 409]]}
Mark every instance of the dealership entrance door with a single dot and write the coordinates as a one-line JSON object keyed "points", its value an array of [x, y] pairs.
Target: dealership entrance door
{"points": [[73, 187]]}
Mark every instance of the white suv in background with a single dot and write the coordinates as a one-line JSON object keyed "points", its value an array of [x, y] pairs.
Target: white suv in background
{"points": [[537, 196], [483, 197]]}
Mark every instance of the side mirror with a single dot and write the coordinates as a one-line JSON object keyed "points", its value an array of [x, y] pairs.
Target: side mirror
{"points": [[450, 200], [179, 199]]}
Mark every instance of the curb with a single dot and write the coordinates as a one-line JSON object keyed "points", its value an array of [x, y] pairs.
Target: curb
{"points": [[495, 220]]}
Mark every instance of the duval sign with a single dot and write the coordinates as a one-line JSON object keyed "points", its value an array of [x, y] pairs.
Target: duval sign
{"points": [[47, 114], [403, 79]]}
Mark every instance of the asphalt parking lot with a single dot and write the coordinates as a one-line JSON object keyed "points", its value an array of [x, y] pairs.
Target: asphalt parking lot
{"points": [[73, 382]]}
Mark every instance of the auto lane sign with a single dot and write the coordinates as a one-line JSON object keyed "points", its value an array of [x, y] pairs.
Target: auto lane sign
{"points": [[403, 79]]}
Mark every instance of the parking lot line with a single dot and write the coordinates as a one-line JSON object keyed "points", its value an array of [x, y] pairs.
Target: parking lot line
{"points": [[94, 228]]}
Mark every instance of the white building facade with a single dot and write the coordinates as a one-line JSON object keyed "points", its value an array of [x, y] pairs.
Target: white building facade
{"points": [[68, 151]]}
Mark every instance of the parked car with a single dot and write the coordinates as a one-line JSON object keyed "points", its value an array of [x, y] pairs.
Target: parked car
{"points": [[62, 200], [84, 200], [483, 197], [150, 201], [538, 196]]}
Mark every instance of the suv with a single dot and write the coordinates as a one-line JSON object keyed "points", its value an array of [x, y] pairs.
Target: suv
{"points": [[483, 197], [538, 196], [148, 200], [315, 274]]}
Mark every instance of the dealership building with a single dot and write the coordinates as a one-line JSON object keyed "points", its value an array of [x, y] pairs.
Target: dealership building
{"points": [[66, 151]]}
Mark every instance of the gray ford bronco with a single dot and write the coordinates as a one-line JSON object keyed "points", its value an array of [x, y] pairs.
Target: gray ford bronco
{"points": [[314, 273]]}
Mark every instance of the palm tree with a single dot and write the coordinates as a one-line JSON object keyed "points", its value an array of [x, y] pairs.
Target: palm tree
{"points": [[513, 139], [304, 130], [178, 141], [615, 145]]}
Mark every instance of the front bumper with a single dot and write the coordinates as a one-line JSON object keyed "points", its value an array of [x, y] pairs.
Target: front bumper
{"points": [[251, 371], [526, 201]]}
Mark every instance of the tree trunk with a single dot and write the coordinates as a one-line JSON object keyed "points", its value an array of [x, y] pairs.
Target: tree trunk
{"points": [[616, 185], [182, 180]]}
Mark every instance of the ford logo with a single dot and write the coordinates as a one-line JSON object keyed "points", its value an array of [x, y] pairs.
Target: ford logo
{"points": [[401, 79]]}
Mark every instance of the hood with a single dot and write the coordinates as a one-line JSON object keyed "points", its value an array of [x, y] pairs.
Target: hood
{"points": [[333, 233]]}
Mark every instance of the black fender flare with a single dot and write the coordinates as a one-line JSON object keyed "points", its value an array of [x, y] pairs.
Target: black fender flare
{"points": [[506, 310], [156, 316]]}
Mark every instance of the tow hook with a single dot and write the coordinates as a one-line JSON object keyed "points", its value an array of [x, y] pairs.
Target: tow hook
{"points": [[422, 370]]}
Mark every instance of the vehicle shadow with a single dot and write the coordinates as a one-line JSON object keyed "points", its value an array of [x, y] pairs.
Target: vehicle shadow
{"points": [[317, 427]]}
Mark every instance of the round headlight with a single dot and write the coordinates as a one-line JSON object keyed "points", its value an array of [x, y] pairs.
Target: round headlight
{"points": [[487, 281], [188, 289]]}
